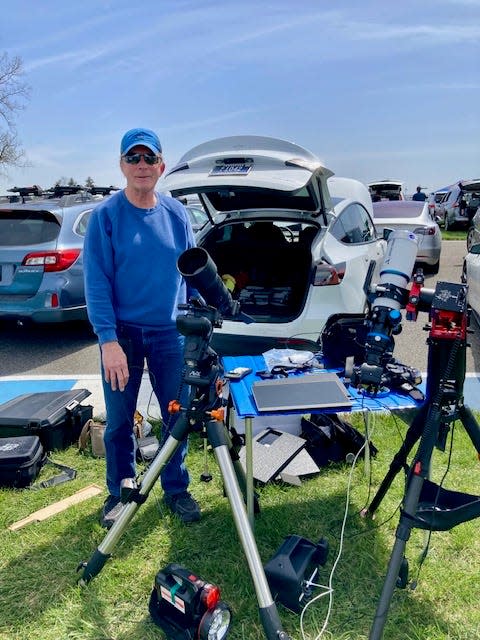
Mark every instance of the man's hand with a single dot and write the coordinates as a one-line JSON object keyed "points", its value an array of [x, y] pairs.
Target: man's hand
{"points": [[115, 365]]}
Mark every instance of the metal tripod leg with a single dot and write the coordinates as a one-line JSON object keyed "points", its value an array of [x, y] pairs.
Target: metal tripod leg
{"points": [[418, 472], [218, 437], [108, 544], [399, 461], [402, 535], [216, 432], [471, 426]]}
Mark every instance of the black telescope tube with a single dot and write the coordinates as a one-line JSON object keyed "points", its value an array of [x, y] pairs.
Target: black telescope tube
{"points": [[199, 270]]}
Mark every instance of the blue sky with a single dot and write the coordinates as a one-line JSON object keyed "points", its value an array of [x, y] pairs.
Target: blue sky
{"points": [[376, 89]]}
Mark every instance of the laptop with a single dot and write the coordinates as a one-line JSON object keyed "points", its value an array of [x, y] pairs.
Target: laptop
{"points": [[308, 392]]}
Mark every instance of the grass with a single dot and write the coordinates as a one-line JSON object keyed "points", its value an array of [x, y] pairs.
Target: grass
{"points": [[40, 599], [456, 234]]}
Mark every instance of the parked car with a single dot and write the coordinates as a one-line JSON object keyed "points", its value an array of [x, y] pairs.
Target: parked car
{"points": [[386, 190], [435, 204], [471, 276], [294, 243], [454, 214], [473, 234], [41, 265], [413, 216]]}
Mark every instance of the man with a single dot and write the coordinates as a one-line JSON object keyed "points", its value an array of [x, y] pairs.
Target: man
{"points": [[133, 290], [419, 195]]}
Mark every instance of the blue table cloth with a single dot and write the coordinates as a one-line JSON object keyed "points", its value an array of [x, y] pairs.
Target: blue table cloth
{"points": [[244, 404]]}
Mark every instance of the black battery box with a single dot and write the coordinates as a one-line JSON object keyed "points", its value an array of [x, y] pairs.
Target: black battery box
{"points": [[56, 417], [21, 459]]}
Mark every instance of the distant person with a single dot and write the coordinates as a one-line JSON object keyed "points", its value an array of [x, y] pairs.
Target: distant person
{"points": [[419, 195], [376, 197]]}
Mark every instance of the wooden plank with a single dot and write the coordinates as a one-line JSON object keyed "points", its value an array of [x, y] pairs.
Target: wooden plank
{"points": [[42, 514]]}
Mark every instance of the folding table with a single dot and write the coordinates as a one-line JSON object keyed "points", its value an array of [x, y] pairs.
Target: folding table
{"points": [[245, 407]]}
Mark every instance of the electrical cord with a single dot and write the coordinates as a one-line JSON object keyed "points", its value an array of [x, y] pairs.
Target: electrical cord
{"points": [[328, 589]]}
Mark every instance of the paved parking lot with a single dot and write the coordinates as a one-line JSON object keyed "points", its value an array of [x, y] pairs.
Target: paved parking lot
{"points": [[50, 357]]}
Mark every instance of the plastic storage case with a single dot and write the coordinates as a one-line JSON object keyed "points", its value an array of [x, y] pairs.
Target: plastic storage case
{"points": [[21, 459], [56, 417]]}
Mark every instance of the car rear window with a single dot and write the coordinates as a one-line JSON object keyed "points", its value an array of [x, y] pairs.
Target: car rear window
{"points": [[251, 198], [22, 228], [409, 209]]}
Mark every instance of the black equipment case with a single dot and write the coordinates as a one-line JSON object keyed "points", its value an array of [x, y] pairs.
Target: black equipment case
{"points": [[21, 459], [56, 417]]}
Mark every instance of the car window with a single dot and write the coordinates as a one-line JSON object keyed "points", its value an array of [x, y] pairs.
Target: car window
{"points": [[409, 209], [230, 199], [25, 227], [82, 222], [354, 225], [197, 216]]}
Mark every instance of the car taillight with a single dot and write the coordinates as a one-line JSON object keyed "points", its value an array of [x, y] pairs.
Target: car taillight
{"points": [[328, 274], [52, 260], [425, 231]]}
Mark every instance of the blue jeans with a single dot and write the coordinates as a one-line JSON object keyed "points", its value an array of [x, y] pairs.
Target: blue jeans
{"points": [[163, 352]]}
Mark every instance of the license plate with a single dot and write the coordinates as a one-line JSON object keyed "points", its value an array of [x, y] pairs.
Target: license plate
{"points": [[230, 169]]}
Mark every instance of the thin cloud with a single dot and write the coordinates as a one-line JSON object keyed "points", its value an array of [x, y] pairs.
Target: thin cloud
{"points": [[435, 34], [206, 122]]}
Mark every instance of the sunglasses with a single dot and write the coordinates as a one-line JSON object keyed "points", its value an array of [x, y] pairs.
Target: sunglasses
{"points": [[134, 158]]}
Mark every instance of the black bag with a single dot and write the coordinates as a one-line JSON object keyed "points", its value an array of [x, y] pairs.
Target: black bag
{"points": [[331, 439], [21, 460], [56, 417], [344, 336]]}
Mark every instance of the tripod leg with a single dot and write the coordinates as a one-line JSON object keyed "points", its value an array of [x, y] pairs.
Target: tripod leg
{"points": [[105, 548], [268, 611], [400, 459], [471, 426], [402, 535], [419, 470]]}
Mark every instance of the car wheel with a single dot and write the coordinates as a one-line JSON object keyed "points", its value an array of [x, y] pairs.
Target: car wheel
{"points": [[431, 268], [470, 237]]}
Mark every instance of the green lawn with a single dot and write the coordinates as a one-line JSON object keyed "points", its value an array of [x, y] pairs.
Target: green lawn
{"points": [[456, 234], [40, 599]]}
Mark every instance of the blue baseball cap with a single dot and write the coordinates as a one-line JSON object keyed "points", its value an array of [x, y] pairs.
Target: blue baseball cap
{"points": [[145, 137]]}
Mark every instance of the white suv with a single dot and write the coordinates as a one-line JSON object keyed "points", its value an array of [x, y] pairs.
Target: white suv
{"points": [[454, 214], [386, 190], [294, 244]]}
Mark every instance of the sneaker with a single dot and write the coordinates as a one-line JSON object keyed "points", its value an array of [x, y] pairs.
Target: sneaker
{"points": [[110, 511], [184, 506]]}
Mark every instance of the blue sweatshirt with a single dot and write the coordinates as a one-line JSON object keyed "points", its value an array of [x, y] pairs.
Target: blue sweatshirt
{"points": [[130, 264]]}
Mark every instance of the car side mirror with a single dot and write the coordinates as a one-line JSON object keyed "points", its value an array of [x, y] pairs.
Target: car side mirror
{"points": [[386, 233]]}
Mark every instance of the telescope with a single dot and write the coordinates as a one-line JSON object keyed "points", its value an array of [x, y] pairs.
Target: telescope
{"points": [[200, 272]]}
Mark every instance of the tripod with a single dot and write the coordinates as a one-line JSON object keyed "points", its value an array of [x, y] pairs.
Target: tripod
{"points": [[425, 504], [204, 413]]}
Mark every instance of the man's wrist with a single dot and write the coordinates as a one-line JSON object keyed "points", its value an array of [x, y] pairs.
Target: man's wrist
{"points": [[107, 345]]}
